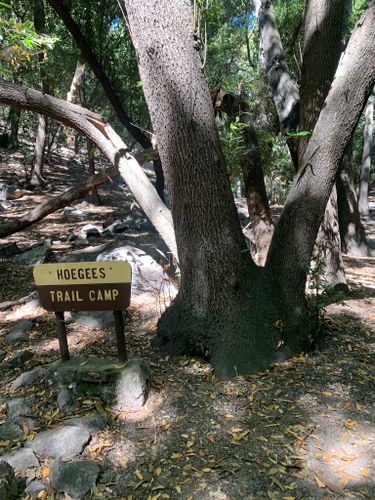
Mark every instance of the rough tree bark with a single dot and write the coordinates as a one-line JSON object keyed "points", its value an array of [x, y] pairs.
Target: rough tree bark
{"points": [[323, 34], [275, 70], [252, 173], [227, 307], [353, 235], [294, 236], [36, 179], [99, 132], [62, 11], [366, 157]]}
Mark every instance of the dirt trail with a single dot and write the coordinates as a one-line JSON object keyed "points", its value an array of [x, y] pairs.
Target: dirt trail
{"points": [[302, 430]]}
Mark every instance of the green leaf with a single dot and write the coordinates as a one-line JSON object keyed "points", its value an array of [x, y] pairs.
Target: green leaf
{"points": [[303, 133]]}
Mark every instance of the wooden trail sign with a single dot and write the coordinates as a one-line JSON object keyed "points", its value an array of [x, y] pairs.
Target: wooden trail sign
{"points": [[85, 286]]}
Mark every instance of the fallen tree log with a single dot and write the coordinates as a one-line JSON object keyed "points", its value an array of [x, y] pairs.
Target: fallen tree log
{"points": [[95, 128]]}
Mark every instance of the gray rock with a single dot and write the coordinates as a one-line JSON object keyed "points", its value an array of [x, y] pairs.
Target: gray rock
{"points": [[10, 431], [72, 214], [20, 407], [133, 384], [19, 331], [94, 319], [21, 459], [3, 191], [89, 231], [117, 227], [8, 250], [74, 478], [8, 484], [93, 423], [147, 274], [34, 488], [28, 378], [2, 355], [19, 359], [65, 399], [36, 255], [25, 421], [66, 442]]}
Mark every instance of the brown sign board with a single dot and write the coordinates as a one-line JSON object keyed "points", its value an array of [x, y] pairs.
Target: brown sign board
{"points": [[84, 286]]}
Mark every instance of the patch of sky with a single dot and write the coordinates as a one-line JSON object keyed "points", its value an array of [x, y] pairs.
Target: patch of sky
{"points": [[115, 24], [247, 19]]}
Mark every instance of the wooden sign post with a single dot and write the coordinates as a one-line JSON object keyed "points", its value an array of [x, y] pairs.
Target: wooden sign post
{"points": [[85, 286]]}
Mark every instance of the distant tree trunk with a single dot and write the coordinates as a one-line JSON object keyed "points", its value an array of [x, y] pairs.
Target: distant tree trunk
{"points": [[275, 69], [366, 157], [80, 84], [252, 173], [353, 235], [63, 12], [14, 122], [42, 128], [74, 90]]}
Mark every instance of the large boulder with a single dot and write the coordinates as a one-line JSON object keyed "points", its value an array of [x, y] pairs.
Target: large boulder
{"points": [[147, 275]]}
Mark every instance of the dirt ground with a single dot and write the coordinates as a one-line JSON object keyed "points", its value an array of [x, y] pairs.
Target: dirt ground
{"points": [[302, 430]]}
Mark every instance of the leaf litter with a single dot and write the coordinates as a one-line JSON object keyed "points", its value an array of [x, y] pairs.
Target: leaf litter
{"points": [[303, 429]]}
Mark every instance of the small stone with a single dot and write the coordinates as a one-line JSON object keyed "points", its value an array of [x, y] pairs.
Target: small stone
{"points": [[36, 255], [8, 250], [93, 423], [94, 319], [28, 378], [65, 399], [19, 359], [133, 384], [21, 459], [20, 407], [72, 214], [63, 443], [89, 231], [74, 478], [10, 431], [8, 484], [19, 331], [34, 488]]}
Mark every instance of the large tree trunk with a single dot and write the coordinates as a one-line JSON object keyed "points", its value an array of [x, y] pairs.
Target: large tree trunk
{"points": [[98, 131], [224, 307], [324, 31], [42, 128], [353, 235], [294, 236], [366, 157], [214, 312]]}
